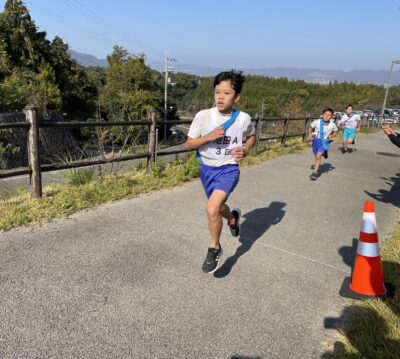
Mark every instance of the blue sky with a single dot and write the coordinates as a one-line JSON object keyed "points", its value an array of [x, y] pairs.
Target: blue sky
{"points": [[325, 34]]}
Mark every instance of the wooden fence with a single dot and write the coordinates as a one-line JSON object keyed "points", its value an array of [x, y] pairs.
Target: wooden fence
{"points": [[35, 169]]}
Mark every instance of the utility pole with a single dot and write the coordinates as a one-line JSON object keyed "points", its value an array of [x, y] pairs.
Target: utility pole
{"points": [[388, 85], [263, 105], [262, 109], [166, 68], [166, 80]]}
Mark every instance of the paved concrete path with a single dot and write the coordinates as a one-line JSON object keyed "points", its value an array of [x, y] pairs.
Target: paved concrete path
{"points": [[125, 280]]}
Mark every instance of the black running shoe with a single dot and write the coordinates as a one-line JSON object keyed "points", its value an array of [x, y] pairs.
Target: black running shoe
{"points": [[210, 264], [344, 151], [235, 230], [313, 176], [325, 154]]}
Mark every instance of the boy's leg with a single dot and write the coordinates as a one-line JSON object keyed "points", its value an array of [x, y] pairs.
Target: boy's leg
{"points": [[348, 139], [317, 164], [227, 214], [317, 147], [344, 149], [318, 156], [233, 217], [353, 136], [213, 209], [214, 216]]}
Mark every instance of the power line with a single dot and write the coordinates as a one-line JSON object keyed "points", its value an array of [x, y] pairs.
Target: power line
{"points": [[70, 24], [89, 14], [153, 46]]}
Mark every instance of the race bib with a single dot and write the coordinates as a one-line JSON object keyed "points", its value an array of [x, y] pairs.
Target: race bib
{"points": [[221, 149]]}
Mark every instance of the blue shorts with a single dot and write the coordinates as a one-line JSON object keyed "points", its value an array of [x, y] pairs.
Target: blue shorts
{"points": [[224, 178], [317, 146], [349, 133]]}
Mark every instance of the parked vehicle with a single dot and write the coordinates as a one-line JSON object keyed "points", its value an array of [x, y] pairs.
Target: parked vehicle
{"points": [[367, 113], [338, 115], [387, 115], [386, 112]]}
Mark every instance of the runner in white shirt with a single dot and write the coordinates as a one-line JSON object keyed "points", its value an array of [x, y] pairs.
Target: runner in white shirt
{"points": [[220, 149], [320, 144], [218, 153], [352, 125]]}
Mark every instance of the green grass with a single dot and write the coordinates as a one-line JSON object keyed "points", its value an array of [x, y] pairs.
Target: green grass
{"points": [[79, 176], [84, 192], [371, 329]]}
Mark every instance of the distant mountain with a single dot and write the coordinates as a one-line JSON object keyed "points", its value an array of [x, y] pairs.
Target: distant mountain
{"points": [[87, 60], [309, 75], [378, 77]]}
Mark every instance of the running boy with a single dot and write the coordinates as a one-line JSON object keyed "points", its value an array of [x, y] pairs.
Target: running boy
{"points": [[322, 132], [219, 143], [352, 124]]}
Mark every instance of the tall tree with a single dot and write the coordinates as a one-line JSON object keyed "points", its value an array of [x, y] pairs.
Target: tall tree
{"points": [[39, 72], [129, 92], [23, 43], [77, 90]]}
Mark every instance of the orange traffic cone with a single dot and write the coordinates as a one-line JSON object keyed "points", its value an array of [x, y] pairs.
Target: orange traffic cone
{"points": [[367, 276]]}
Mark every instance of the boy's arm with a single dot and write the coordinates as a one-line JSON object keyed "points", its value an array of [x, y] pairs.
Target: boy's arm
{"points": [[238, 153], [310, 131], [333, 134], [195, 143], [250, 141], [359, 124]]}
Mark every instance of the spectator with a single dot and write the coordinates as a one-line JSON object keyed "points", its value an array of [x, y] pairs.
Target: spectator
{"points": [[393, 136]]}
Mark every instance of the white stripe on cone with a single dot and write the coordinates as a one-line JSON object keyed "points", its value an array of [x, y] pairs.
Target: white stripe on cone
{"points": [[368, 224], [368, 249]]}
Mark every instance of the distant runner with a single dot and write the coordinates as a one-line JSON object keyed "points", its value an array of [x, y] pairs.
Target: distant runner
{"points": [[352, 125], [322, 132]]}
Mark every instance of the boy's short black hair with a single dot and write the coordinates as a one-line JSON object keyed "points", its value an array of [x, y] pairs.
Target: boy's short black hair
{"points": [[236, 78], [349, 106], [328, 109]]}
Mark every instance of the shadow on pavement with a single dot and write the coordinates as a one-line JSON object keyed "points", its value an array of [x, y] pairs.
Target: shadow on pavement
{"points": [[244, 357], [349, 150], [326, 167], [389, 196], [388, 154], [256, 223], [348, 254]]}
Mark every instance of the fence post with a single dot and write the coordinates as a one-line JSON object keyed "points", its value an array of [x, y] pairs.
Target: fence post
{"points": [[305, 129], [33, 152], [258, 133], [156, 145], [151, 141], [285, 130]]}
